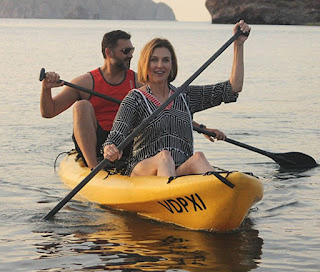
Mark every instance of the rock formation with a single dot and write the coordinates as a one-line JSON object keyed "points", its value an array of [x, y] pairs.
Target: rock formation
{"points": [[86, 9], [281, 12]]}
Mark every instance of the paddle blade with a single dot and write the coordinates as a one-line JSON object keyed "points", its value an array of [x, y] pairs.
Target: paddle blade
{"points": [[296, 160]]}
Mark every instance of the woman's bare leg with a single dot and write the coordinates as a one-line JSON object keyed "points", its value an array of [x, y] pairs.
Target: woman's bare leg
{"points": [[161, 164], [196, 164]]}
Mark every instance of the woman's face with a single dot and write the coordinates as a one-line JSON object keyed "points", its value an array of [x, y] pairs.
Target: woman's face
{"points": [[160, 65]]}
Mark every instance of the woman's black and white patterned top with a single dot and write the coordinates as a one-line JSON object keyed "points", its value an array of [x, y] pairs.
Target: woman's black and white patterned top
{"points": [[172, 128]]}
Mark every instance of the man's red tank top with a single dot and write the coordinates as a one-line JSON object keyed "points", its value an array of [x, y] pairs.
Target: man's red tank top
{"points": [[105, 110]]}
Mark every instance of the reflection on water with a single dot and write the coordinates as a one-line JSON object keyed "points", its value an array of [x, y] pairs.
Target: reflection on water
{"points": [[126, 242], [294, 173]]}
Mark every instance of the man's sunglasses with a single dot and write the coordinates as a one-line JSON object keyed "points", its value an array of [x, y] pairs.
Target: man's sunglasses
{"points": [[127, 50]]}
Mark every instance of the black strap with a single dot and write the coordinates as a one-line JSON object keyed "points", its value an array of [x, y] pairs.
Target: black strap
{"points": [[216, 174], [223, 179]]}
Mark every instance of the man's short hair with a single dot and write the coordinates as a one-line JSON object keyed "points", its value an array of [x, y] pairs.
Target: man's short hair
{"points": [[110, 39]]}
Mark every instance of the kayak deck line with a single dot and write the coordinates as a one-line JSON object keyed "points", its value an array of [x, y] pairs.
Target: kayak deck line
{"points": [[199, 202]]}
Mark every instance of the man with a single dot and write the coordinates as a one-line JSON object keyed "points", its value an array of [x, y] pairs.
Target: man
{"points": [[93, 116]]}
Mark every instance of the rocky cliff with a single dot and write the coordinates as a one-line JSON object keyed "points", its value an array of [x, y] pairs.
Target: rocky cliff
{"points": [[86, 9], [281, 12]]}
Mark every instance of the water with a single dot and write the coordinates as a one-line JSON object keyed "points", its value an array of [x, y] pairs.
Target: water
{"points": [[278, 111]]}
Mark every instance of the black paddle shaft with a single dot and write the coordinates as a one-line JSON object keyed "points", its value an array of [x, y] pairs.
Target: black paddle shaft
{"points": [[292, 160], [43, 76], [145, 122]]}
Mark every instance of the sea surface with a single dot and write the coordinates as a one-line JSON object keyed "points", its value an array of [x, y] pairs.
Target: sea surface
{"points": [[277, 111]]}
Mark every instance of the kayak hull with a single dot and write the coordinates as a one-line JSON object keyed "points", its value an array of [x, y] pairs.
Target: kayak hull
{"points": [[200, 202]]}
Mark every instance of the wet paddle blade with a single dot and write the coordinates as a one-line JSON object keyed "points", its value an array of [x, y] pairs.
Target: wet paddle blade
{"points": [[289, 160], [296, 160]]}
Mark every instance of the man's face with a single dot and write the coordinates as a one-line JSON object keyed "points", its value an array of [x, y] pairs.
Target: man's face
{"points": [[122, 54]]}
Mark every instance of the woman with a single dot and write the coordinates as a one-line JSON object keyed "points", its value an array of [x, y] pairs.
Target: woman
{"points": [[165, 146]]}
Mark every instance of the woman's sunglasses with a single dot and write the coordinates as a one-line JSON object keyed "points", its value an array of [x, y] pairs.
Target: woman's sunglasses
{"points": [[127, 50]]}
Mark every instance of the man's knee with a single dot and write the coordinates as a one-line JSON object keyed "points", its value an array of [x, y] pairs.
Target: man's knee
{"points": [[83, 110], [82, 106]]}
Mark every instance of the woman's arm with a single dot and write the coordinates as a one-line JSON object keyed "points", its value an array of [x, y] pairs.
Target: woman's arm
{"points": [[123, 123], [237, 72]]}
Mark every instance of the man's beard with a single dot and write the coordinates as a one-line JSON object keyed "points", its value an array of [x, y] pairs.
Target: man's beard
{"points": [[123, 64]]}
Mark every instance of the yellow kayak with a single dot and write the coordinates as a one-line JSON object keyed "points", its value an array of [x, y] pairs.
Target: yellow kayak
{"points": [[216, 201]]}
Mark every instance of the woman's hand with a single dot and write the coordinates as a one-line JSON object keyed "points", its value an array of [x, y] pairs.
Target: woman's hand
{"points": [[245, 28], [111, 153], [219, 135]]}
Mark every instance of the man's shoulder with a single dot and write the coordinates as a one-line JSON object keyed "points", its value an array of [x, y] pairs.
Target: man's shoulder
{"points": [[96, 71], [84, 81], [137, 83], [131, 72]]}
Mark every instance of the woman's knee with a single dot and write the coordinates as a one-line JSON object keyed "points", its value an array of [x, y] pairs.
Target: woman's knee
{"points": [[165, 155], [199, 156]]}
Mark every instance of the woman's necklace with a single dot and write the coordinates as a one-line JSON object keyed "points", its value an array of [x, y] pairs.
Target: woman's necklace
{"points": [[149, 89], [150, 92]]}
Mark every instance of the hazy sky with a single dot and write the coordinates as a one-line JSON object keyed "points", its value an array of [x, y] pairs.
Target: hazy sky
{"points": [[188, 10]]}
